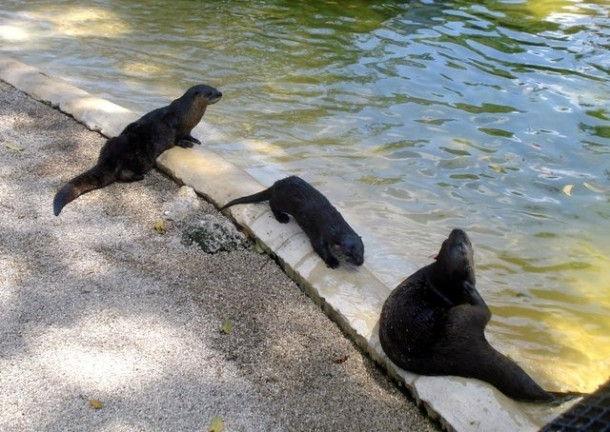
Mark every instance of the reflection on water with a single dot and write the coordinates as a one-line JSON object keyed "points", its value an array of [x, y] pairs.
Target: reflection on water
{"points": [[493, 117]]}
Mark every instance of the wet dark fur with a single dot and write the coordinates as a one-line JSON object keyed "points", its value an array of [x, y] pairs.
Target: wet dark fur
{"points": [[330, 235], [132, 154], [433, 324]]}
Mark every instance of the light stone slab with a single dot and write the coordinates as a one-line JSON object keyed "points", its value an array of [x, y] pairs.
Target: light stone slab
{"points": [[351, 297]]}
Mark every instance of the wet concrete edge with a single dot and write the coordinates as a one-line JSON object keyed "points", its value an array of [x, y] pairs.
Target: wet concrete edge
{"points": [[352, 298]]}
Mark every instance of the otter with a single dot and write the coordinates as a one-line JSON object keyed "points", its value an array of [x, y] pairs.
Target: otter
{"points": [[433, 324], [330, 235], [132, 154]]}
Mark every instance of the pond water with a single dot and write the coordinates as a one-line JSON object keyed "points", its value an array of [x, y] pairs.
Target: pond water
{"points": [[412, 117]]}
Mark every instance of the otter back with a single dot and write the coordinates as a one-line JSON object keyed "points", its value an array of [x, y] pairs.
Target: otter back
{"points": [[330, 235]]}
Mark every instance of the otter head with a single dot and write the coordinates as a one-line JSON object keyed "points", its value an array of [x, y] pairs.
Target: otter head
{"points": [[190, 107], [203, 95], [455, 260], [349, 248]]}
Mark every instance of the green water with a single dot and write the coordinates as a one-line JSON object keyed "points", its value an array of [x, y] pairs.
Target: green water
{"points": [[413, 117]]}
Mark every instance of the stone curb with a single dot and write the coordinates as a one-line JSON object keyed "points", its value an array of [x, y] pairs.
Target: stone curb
{"points": [[352, 298]]}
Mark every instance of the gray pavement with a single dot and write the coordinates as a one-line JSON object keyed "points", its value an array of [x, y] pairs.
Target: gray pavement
{"points": [[97, 308]]}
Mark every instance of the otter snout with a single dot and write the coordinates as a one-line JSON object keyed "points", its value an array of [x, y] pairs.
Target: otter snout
{"points": [[357, 262], [215, 98], [357, 258], [458, 236]]}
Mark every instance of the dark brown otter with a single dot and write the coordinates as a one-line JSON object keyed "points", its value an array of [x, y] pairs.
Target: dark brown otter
{"points": [[330, 235], [132, 154], [433, 324]]}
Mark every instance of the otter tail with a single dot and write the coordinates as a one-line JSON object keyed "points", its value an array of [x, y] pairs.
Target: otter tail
{"points": [[97, 177], [561, 397], [257, 197], [508, 377]]}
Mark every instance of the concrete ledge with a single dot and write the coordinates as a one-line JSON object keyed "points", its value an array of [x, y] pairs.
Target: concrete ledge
{"points": [[352, 298]]}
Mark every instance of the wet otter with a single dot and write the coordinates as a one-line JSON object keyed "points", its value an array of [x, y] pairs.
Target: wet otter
{"points": [[433, 324], [330, 235], [132, 154]]}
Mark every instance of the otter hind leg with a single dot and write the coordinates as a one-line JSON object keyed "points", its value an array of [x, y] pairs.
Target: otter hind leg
{"points": [[127, 175], [280, 216], [462, 349]]}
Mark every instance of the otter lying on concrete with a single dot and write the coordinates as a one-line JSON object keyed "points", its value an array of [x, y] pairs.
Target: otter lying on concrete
{"points": [[132, 154], [433, 324], [330, 235]]}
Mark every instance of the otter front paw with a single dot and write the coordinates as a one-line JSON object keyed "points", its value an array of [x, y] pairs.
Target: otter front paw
{"points": [[332, 262], [192, 139], [185, 144], [472, 295]]}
